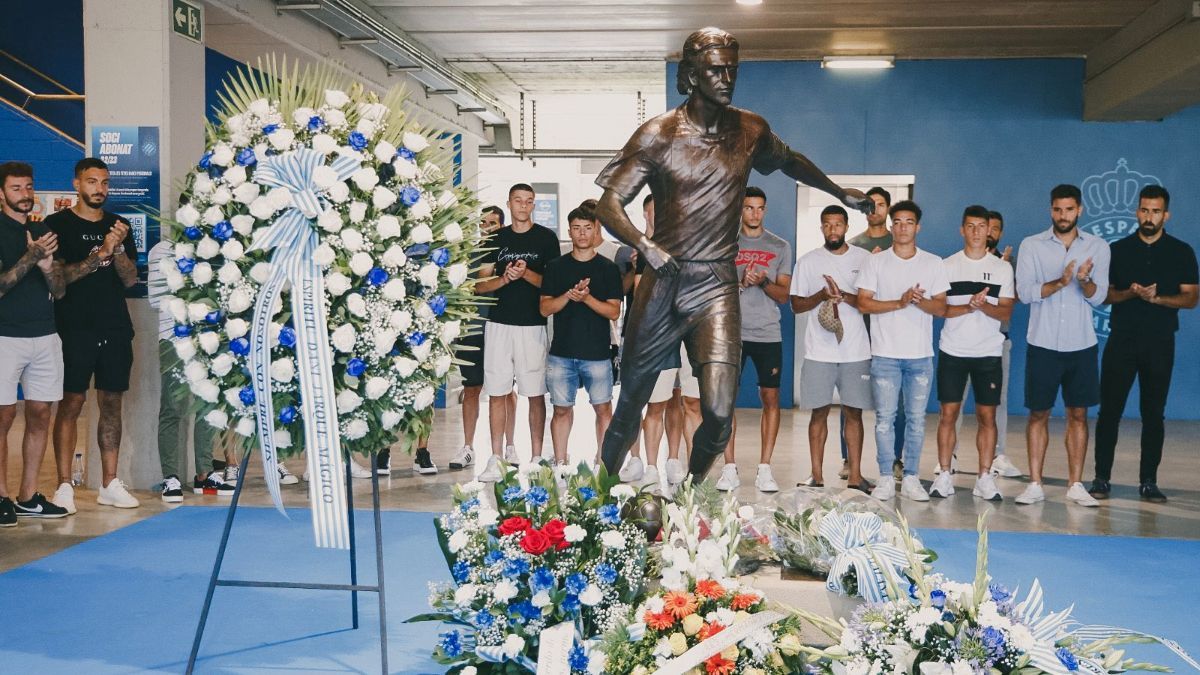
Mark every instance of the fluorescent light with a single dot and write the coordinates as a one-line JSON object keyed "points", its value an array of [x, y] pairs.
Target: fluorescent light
{"points": [[749, 2], [858, 62]]}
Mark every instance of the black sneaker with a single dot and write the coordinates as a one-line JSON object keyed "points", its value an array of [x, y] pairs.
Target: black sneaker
{"points": [[8, 513], [172, 490], [213, 485], [383, 462], [1149, 492], [38, 507], [423, 464], [1100, 489]]}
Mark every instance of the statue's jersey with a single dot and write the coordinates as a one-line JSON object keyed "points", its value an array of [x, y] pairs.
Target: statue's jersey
{"points": [[698, 180]]}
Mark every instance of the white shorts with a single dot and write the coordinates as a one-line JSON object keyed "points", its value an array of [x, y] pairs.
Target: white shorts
{"points": [[514, 354], [36, 364], [681, 377]]}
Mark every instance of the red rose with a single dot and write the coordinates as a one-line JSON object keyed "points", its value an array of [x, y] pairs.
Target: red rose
{"points": [[554, 530], [514, 525], [535, 543]]}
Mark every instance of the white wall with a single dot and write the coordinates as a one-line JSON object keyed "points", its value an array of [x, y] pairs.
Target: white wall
{"points": [[583, 121]]}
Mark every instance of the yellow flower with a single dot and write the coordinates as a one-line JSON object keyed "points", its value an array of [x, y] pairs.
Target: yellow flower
{"points": [[692, 623], [730, 653], [678, 643], [740, 617], [776, 659], [789, 644], [640, 670]]}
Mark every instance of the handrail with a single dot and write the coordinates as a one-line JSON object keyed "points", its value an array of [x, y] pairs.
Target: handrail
{"points": [[37, 72], [65, 136], [31, 95]]}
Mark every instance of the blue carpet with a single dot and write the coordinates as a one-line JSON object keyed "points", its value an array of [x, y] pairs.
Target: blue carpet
{"points": [[128, 602]]}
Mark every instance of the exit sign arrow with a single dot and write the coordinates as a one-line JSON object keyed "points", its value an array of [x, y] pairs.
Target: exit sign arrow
{"points": [[187, 20]]}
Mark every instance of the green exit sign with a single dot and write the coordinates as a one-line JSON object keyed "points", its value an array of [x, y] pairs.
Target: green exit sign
{"points": [[187, 19]]}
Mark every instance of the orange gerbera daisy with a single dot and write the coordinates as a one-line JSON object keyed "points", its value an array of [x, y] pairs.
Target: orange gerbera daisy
{"points": [[718, 665], [679, 603], [658, 621], [709, 630], [743, 601], [709, 588]]}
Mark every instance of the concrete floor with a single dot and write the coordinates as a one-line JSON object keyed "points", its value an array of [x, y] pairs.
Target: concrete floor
{"points": [[1124, 514]]}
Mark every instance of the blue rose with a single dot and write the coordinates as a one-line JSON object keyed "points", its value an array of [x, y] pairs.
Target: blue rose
{"points": [[570, 604], [537, 496], [287, 415], [1000, 594], [912, 591], [438, 304], [440, 257], [993, 639], [357, 140], [287, 337], [240, 346], [516, 567], [451, 644], [1067, 658], [416, 339], [606, 573], [461, 571], [377, 276], [205, 160], [577, 659], [246, 395], [270, 129], [405, 153], [315, 123], [186, 265], [586, 493], [493, 557], [609, 514], [222, 231], [512, 494], [213, 316], [542, 579], [416, 250], [937, 598], [524, 611], [485, 619], [410, 195], [215, 171], [469, 504], [246, 157], [182, 330], [356, 367], [192, 233], [576, 583]]}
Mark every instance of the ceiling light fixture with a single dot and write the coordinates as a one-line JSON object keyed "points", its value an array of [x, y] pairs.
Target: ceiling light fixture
{"points": [[749, 2], [858, 62]]}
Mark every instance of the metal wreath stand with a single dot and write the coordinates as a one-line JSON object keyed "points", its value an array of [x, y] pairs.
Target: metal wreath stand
{"points": [[353, 587]]}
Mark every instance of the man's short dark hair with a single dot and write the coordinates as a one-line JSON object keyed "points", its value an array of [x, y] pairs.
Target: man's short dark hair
{"points": [[752, 191], [88, 163], [906, 205], [496, 210], [581, 213], [887, 196], [648, 201], [589, 204], [974, 211], [520, 187], [996, 215], [1066, 191], [14, 170], [1156, 192], [835, 209]]}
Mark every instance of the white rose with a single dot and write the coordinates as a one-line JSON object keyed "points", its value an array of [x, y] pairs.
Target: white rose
{"points": [[323, 143], [464, 595], [348, 401], [352, 239], [453, 233], [451, 330], [174, 280], [232, 397], [458, 541], [339, 192], [384, 340], [388, 227], [242, 224], [421, 351], [236, 328], [302, 115], [282, 138], [376, 387], [209, 342], [400, 320], [429, 275], [420, 210], [415, 142], [504, 591], [207, 390], [213, 215], [389, 419], [235, 123], [356, 305], [260, 107], [217, 419], [424, 399], [358, 211], [197, 311], [184, 349], [514, 646], [404, 366], [361, 263], [262, 208], [222, 155], [394, 289], [246, 193], [233, 250], [183, 250], [281, 197], [245, 426], [260, 272], [405, 169], [487, 517], [441, 365], [343, 338], [324, 177], [324, 255], [612, 539], [207, 248], [222, 196], [541, 599], [337, 283], [372, 111], [195, 371], [283, 438], [356, 429], [591, 596], [456, 274], [336, 98], [424, 312], [622, 492], [239, 301], [187, 215], [178, 309], [234, 176], [384, 152], [283, 370], [421, 234], [394, 257], [382, 197], [221, 365], [366, 127], [202, 273], [574, 534], [365, 178]]}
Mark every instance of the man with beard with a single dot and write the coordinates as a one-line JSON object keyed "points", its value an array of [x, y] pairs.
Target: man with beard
{"points": [[1153, 275], [829, 277], [98, 254], [30, 351], [1062, 274]]}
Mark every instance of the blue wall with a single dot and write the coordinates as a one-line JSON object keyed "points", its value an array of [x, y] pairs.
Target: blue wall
{"points": [[999, 133]]}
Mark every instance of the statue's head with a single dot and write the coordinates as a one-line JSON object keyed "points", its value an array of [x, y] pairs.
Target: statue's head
{"points": [[709, 65]]}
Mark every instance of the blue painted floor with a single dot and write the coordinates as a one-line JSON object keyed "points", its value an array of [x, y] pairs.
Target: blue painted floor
{"points": [[128, 602]]}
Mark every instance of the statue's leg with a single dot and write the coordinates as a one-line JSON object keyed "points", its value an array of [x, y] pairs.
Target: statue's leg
{"points": [[636, 388], [718, 393]]}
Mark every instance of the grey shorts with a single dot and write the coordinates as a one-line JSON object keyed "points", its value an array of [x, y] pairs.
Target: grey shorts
{"points": [[36, 364], [852, 380]]}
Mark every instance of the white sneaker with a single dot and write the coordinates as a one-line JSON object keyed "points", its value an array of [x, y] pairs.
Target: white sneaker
{"points": [[287, 477], [650, 478], [231, 474], [765, 482], [676, 472], [1033, 494], [885, 491], [943, 485], [632, 471], [464, 458], [491, 471], [953, 466], [729, 480], [911, 488], [356, 470], [64, 496], [1076, 493], [116, 495], [510, 454], [985, 488], [1003, 466]]}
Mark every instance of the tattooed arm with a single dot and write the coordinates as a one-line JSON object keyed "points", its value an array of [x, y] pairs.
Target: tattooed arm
{"points": [[126, 269], [36, 250], [53, 271]]}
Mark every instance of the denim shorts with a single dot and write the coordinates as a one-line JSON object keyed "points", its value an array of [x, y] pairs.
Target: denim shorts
{"points": [[565, 376]]}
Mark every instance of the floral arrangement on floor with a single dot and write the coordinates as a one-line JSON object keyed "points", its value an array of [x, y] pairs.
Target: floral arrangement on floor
{"points": [[529, 557], [701, 606], [936, 626]]}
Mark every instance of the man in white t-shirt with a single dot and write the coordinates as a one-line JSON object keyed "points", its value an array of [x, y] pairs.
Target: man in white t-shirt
{"points": [[904, 287], [837, 351], [980, 298]]}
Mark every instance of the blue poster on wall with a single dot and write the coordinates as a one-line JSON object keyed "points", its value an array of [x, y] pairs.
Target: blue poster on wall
{"points": [[132, 156]]}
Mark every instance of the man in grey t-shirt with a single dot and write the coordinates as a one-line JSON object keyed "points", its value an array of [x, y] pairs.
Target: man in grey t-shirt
{"points": [[764, 264]]}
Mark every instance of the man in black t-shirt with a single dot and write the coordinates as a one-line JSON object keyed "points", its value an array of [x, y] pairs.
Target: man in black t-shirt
{"points": [[1151, 277], [515, 336], [582, 291], [98, 255]]}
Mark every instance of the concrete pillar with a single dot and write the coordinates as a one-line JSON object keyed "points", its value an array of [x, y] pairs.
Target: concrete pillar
{"points": [[137, 72]]}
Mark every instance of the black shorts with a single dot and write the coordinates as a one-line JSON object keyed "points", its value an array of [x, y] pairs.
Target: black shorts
{"points": [[472, 371], [109, 358], [985, 372], [1077, 372], [768, 362]]}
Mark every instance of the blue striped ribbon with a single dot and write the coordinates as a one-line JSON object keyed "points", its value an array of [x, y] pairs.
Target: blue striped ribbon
{"points": [[860, 547], [294, 240]]}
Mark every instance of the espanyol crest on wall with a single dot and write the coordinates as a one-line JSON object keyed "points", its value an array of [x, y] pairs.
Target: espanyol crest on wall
{"points": [[1110, 202]]}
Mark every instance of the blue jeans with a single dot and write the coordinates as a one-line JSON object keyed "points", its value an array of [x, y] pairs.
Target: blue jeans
{"points": [[566, 376], [888, 378]]}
